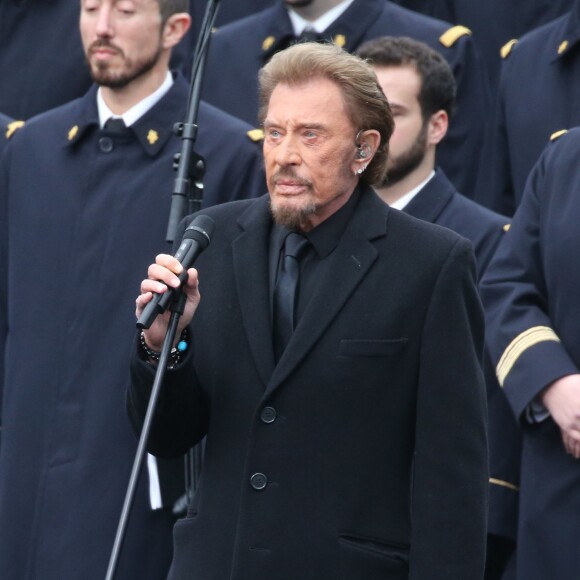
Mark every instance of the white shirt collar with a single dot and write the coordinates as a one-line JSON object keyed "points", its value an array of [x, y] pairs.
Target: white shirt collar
{"points": [[403, 201], [137, 111], [320, 24]]}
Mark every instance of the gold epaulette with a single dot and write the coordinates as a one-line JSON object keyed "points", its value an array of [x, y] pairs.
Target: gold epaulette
{"points": [[507, 47], [256, 135], [11, 128], [449, 38], [558, 134]]}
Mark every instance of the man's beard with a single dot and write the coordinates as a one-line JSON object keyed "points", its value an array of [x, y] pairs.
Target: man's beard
{"points": [[298, 3], [407, 161], [292, 218], [103, 77], [289, 216]]}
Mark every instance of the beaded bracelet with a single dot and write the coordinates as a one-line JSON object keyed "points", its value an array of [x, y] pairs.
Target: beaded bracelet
{"points": [[175, 354]]}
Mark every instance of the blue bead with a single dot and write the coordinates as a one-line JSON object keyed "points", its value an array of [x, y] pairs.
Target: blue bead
{"points": [[182, 345]]}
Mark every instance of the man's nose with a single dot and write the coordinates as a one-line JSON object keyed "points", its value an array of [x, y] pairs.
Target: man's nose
{"points": [[105, 22], [287, 152]]}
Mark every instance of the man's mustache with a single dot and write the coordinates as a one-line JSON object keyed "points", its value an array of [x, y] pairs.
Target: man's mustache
{"points": [[102, 43], [283, 174]]}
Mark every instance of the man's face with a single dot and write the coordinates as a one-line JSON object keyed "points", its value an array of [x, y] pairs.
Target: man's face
{"points": [[121, 38], [408, 144], [309, 153]]}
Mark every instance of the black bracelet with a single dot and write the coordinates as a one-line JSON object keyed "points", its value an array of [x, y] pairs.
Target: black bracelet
{"points": [[175, 354]]}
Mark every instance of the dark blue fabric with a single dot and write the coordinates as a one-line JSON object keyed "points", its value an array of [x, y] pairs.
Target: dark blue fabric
{"points": [[88, 213], [240, 49]]}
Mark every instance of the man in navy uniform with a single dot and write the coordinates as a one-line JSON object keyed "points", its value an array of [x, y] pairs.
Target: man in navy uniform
{"points": [[421, 91], [83, 193], [538, 96], [238, 51], [353, 444], [42, 61], [530, 291]]}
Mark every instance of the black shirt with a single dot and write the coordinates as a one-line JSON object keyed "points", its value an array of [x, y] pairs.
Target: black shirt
{"points": [[323, 239]]}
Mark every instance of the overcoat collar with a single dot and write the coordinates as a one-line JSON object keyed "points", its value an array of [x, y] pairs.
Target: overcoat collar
{"points": [[347, 267], [432, 199]]}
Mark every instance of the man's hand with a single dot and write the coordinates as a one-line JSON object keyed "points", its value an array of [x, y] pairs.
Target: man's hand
{"points": [[161, 275], [562, 399]]}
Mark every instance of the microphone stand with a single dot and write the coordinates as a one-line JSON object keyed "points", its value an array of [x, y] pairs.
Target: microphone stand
{"points": [[177, 308], [189, 165], [190, 168]]}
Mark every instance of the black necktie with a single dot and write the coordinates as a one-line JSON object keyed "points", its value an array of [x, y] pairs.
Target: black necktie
{"points": [[309, 35], [285, 291], [117, 126]]}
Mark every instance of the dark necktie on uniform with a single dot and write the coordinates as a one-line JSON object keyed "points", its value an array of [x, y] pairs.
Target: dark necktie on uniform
{"points": [[117, 126], [285, 291], [309, 35]]}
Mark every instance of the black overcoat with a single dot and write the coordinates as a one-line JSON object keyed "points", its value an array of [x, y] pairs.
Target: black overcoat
{"points": [[362, 453], [440, 203]]}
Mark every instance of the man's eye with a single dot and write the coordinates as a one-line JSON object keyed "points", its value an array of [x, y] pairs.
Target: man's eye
{"points": [[274, 133]]}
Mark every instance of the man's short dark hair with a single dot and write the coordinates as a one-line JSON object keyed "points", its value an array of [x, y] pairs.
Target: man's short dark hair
{"points": [[170, 7], [438, 86]]}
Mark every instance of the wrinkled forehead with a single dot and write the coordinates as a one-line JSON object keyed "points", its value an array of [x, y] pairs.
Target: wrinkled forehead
{"points": [[316, 101]]}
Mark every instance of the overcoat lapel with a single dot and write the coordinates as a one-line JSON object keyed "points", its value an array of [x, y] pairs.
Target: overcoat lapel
{"points": [[347, 267], [250, 254], [432, 199]]}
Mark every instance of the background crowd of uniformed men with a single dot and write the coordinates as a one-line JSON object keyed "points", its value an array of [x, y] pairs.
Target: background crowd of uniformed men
{"points": [[517, 67]]}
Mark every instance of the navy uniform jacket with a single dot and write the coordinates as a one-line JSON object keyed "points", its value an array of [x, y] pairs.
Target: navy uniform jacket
{"points": [[42, 61], [240, 49], [530, 292], [381, 374], [229, 10], [440, 203], [88, 213], [539, 94], [7, 128], [5, 132], [496, 22]]}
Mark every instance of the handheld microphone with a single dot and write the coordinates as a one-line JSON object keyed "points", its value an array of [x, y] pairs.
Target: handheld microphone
{"points": [[196, 239]]}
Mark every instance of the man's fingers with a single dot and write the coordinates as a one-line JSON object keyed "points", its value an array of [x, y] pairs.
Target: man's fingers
{"points": [[169, 262]]}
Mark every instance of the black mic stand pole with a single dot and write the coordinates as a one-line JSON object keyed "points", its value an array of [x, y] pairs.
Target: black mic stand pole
{"points": [[190, 169], [177, 308], [189, 165]]}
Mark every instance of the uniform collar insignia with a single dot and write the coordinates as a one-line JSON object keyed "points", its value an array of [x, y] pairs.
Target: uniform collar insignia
{"points": [[11, 128], [563, 47], [74, 131], [152, 137], [340, 40], [268, 42]]}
